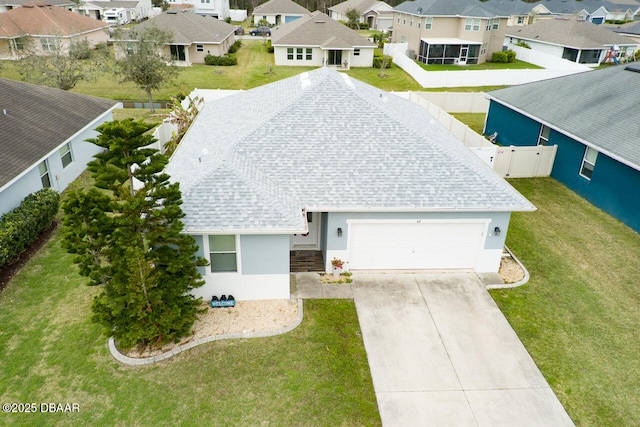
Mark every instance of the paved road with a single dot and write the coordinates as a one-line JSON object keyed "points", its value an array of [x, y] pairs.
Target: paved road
{"points": [[442, 354]]}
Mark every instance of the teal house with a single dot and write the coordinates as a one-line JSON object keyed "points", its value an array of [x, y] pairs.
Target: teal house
{"points": [[594, 119]]}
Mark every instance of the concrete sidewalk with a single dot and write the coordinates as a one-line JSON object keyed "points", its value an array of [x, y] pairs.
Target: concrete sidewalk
{"points": [[442, 354]]}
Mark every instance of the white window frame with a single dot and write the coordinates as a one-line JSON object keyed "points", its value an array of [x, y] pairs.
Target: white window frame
{"points": [[411, 20], [45, 174], [290, 54], [236, 252], [542, 139], [588, 162], [472, 24], [356, 52], [404, 19], [308, 54], [428, 23], [299, 54], [66, 153], [483, 49], [48, 44], [199, 48]]}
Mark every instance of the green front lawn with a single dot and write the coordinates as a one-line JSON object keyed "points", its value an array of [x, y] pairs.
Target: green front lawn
{"points": [[51, 352], [515, 65], [474, 120], [578, 316]]}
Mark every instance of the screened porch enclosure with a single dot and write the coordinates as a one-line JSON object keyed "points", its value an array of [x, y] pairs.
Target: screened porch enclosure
{"points": [[448, 52]]}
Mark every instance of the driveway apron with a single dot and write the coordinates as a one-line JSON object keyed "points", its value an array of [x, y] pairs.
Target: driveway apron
{"points": [[442, 354]]}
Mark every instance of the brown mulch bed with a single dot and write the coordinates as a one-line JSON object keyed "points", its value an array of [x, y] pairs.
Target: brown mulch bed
{"points": [[8, 271]]}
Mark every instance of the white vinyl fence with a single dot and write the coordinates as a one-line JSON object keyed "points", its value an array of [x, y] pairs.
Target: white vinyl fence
{"points": [[436, 79], [163, 134], [509, 162]]}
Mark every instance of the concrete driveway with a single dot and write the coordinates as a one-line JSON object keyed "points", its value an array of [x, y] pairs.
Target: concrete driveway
{"points": [[442, 354]]}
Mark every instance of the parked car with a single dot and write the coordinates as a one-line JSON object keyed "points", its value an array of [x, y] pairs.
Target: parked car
{"points": [[262, 30], [239, 31]]}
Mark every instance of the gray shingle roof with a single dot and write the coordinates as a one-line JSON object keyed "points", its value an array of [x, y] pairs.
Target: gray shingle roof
{"points": [[317, 29], [359, 5], [325, 142], [278, 7], [630, 28], [599, 107], [189, 27], [571, 33], [467, 8], [39, 120]]}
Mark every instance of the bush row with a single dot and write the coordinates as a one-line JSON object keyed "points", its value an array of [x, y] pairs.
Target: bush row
{"points": [[225, 60], [22, 226], [235, 47], [503, 57]]}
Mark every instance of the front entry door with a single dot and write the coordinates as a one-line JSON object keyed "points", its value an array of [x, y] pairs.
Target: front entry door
{"points": [[310, 240]]}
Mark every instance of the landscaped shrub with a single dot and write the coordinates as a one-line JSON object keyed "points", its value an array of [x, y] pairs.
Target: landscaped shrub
{"points": [[269, 47], [22, 226], [523, 44], [503, 57], [363, 25], [377, 60], [235, 47], [225, 60]]}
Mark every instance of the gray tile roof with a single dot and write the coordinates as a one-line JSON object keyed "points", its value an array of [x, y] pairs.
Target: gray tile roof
{"points": [[569, 32], [189, 27], [325, 142], [492, 8], [317, 29], [279, 7], [466, 8], [599, 107], [39, 120]]}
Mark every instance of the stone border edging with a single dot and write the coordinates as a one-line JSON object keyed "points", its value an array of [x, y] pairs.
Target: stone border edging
{"points": [[134, 361], [521, 282]]}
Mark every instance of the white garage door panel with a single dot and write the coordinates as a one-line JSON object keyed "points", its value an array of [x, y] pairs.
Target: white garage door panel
{"points": [[405, 246]]}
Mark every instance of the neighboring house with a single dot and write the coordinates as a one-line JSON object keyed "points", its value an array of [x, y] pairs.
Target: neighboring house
{"points": [[630, 29], [136, 10], [317, 40], [39, 28], [194, 37], [377, 14], [323, 162], [449, 31], [574, 40], [214, 8], [277, 12], [6, 5], [594, 120], [43, 138]]}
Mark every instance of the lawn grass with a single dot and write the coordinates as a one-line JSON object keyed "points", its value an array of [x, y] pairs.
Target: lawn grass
{"points": [[578, 316], [515, 65], [474, 120], [51, 352]]}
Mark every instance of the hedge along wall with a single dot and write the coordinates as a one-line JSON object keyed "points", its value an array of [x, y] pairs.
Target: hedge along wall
{"points": [[22, 226]]}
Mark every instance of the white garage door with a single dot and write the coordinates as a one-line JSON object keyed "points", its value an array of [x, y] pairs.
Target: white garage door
{"points": [[407, 246]]}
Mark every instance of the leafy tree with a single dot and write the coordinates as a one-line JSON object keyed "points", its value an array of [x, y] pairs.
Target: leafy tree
{"points": [[145, 62], [353, 18], [62, 68], [127, 235]]}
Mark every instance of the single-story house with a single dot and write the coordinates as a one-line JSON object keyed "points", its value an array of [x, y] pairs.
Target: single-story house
{"points": [[136, 10], [574, 40], [277, 12], [450, 31], [194, 37], [377, 14], [317, 40], [323, 162], [40, 28], [594, 120], [43, 138]]}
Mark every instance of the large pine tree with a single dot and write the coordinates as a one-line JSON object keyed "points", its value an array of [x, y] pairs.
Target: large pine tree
{"points": [[127, 235]]}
